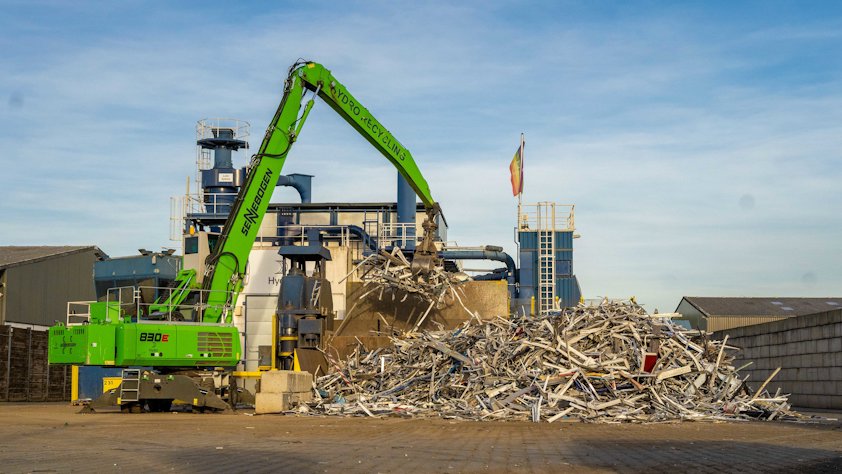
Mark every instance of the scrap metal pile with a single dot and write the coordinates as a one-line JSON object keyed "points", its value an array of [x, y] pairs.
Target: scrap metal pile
{"points": [[586, 363], [390, 275]]}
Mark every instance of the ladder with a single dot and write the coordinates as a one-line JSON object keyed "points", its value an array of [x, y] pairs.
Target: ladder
{"points": [[372, 228], [546, 270], [314, 297], [130, 388]]}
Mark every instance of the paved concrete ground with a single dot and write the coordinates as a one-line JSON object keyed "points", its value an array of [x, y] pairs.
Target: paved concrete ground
{"points": [[52, 437]]}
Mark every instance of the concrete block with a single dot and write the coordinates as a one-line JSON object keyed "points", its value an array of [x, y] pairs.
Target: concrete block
{"points": [[826, 388], [788, 373], [827, 331], [281, 381], [824, 373], [823, 345], [294, 398], [837, 330], [802, 360], [808, 401], [764, 351], [822, 319], [835, 344], [815, 332], [805, 388], [265, 402], [836, 375]]}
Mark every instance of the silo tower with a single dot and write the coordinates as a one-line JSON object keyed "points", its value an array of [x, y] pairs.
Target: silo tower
{"points": [[217, 138]]}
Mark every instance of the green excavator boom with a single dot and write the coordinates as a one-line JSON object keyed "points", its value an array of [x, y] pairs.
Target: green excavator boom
{"points": [[115, 338]]}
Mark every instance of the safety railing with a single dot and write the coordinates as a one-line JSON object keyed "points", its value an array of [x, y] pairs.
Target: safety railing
{"points": [[396, 234], [149, 304], [296, 234], [177, 214], [546, 216], [78, 312], [211, 203], [124, 296], [191, 309], [208, 128]]}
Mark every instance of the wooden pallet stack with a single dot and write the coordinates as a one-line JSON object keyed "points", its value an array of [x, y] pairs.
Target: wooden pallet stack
{"points": [[589, 363]]}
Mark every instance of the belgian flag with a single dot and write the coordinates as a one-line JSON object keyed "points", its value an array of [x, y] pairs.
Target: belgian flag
{"points": [[516, 169]]}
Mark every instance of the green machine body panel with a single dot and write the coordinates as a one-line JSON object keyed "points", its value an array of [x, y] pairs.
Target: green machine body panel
{"points": [[177, 345], [89, 344], [145, 344]]}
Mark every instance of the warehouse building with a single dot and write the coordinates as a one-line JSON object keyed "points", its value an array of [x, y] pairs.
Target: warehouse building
{"points": [[36, 282], [720, 313]]}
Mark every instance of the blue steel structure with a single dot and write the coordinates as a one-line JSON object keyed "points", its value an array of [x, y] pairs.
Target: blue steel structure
{"points": [[406, 211], [545, 237], [221, 182], [153, 269]]}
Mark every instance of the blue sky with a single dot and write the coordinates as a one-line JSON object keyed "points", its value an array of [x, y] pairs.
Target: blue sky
{"points": [[700, 141]]}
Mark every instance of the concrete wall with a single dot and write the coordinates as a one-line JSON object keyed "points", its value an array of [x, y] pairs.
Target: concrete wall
{"points": [[807, 348]]}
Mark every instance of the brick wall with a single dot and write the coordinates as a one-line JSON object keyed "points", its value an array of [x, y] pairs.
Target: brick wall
{"points": [[808, 349]]}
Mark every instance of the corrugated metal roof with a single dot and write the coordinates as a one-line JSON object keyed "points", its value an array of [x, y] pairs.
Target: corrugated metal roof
{"points": [[14, 255], [777, 306]]}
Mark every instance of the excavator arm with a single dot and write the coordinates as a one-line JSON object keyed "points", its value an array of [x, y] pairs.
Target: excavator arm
{"points": [[226, 266]]}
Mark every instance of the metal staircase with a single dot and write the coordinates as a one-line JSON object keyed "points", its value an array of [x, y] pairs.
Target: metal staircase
{"points": [[130, 388]]}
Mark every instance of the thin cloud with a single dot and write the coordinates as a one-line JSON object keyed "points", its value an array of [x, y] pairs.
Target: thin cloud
{"points": [[654, 126]]}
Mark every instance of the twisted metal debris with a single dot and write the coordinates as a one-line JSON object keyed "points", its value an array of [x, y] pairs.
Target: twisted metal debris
{"points": [[389, 274], [585, 363]]}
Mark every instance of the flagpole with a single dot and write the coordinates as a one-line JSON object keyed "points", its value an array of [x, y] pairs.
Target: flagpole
{"points": [[520, 194], [519, 203]]}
